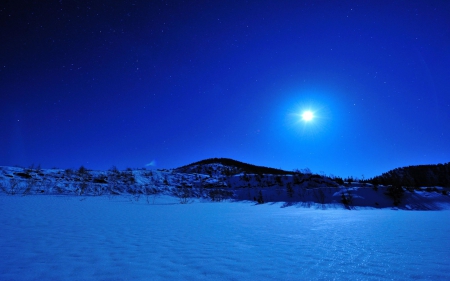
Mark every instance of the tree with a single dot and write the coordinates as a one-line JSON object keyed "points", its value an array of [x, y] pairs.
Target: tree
{"points": [[82, 170], [396, 193], [289, 190], [347, 199], [260, 198]]}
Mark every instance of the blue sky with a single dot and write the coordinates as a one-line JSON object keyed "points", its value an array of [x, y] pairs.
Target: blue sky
{"points": [[98, 84]]}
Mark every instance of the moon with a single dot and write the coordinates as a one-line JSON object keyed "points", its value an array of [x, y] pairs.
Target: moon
{"points": [[307, 116]]}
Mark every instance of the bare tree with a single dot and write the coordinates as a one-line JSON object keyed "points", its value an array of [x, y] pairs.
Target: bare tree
{"points": [[182, 193], [29, 184], [319, 195], [12, 187]]}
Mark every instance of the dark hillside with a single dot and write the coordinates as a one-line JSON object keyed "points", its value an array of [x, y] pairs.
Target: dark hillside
{"points": [[416, 176], [241, 167]]}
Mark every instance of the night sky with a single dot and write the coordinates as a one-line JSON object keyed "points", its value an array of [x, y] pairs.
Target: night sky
{"points": [[161, 84]]}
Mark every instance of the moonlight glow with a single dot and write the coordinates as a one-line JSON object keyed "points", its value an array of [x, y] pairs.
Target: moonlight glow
{"points": [[307, 116]]}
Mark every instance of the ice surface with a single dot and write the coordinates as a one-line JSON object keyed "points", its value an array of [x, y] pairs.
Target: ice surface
{"points": [[98, 238]]}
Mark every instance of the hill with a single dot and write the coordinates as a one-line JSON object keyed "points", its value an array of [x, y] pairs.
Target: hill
{"points": [[229, 167], [416, 176], [220, 179]]}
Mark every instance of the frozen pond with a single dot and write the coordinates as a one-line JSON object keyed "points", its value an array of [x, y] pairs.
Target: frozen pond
{"points": [[96, 238]]}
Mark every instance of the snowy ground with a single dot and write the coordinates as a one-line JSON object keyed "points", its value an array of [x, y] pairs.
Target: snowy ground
{"points": [[98, 238]]}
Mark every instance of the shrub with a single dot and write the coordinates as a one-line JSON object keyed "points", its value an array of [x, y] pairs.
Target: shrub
{"points": [[114, 170], [148, 191], [289, 190], [346, 199], [219, 195], [82, 170], [278, 180], [319, 195], [396, 193], [98, 189], [12, 188], [260, 198], [68, 172], [29, 184], [128, 178], [182, 193], [339, 180], [82, 187]]}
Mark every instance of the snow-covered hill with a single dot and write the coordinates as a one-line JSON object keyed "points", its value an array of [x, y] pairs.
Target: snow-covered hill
{"points": [[217, 180]]}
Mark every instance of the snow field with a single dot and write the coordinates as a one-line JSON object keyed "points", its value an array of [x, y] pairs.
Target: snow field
{"points": [[97, 238]]}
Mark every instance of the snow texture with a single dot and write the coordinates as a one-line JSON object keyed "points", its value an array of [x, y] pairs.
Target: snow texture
{"points": [[50, 237]]}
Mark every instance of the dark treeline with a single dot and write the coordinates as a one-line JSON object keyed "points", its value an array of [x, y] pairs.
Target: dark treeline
{"points": [[416, 176]]}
